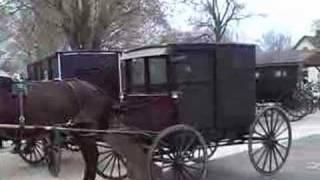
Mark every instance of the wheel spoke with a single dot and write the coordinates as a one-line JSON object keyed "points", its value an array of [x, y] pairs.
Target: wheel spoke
{"points": [[275, 122], [181, 175], [104, 158], [283, 139], [122, 161], [281, 132], [107, 164], [164, 160], [192, 167], [164, 144], [278, 127], [105, 152], [279, 153], [112, 167], [188, 173], [181, 143], [270, 161], [119, 167], [168, 153], [189, 144], [166, 166], [31, 156], [281, 145], [265, 161], [260, 135], [261, 156], [257, 151], [35, 155], [265, 131], [39, 152], [266, 121], [275, 158]]}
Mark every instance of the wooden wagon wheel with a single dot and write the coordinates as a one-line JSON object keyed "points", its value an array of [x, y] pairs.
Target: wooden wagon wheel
{"points": [[111, 165], [212, 148], [269, 140], [295, 104], [171, 155], [32, 151], [198, 153]]}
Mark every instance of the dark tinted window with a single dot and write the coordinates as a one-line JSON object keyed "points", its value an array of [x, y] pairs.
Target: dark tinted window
{"points": [[158, 70], [137, 69]]}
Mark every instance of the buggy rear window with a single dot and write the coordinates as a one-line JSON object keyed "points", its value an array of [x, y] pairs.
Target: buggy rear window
{"points": [[158, 70]]}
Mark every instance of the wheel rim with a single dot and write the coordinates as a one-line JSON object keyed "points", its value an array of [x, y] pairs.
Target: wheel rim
{"points": [[111, 165], [32, 151], [270, 141], [296, 104], [172, 155]]}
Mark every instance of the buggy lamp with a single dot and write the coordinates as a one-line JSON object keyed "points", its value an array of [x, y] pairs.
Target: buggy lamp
{"points": [[175, 94]]}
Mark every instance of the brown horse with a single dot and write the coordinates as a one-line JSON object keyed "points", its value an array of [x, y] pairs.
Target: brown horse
{"points": [[57, 103]]}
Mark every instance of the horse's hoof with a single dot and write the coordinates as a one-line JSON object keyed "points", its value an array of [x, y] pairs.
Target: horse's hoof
{"points": [[14, 151]]}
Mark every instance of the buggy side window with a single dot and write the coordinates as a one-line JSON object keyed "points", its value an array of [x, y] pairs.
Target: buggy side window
{"points": [[284, 73], [137, 69], [158, 70]]}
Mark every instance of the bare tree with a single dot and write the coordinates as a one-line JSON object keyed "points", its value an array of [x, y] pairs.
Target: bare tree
{"points": [[218, 15], [275, 42], [177, 36], [92, 24]]}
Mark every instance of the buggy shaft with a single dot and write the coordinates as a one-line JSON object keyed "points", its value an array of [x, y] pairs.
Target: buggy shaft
{"points": [[77, 130]]}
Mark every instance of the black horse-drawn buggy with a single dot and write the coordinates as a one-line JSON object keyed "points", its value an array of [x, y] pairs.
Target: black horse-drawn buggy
{"points": [[182, 101], [281, 79]]}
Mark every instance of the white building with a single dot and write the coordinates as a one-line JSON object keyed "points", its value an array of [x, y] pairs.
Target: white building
{"points": [[4, 74], [311, 44]]}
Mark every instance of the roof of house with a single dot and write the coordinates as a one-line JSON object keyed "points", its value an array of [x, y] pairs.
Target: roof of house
{"points": [[314, 40]]}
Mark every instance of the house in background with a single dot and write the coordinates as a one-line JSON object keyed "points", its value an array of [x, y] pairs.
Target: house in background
{"points": [[311, 44], [308, 43]]}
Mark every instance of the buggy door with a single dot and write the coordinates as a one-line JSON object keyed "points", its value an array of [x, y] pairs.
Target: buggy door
{"points": [[147, 93]]}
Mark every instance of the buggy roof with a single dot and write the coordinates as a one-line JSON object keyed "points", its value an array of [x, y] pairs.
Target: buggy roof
{"points": [[288, 58], [77, 52], [165, 49]]}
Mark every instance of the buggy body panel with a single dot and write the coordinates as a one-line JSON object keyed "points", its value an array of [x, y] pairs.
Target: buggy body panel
{"points": [[215, 83]]}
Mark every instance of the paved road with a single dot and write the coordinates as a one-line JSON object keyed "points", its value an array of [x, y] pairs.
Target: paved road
{"points": [[303, 164], [230, 163]]}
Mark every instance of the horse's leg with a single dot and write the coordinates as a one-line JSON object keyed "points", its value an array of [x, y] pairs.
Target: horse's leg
{"points": [[137, 159], [90, 155]]}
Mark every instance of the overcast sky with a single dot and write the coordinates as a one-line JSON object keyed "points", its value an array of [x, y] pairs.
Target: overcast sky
{"points": [[293, 17]]}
